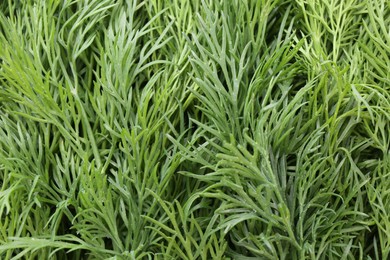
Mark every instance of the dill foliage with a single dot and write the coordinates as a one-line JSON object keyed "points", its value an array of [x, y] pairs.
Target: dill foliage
{"points": [[197, 129]]}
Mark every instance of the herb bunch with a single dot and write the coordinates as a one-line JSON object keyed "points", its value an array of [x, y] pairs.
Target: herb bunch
{"points": [[194, 129]]}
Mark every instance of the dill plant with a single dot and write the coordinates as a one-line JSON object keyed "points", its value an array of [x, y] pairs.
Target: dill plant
{"points": [[194, 129]]}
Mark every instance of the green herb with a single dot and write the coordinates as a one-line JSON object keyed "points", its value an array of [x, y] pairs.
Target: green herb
{"points": [[194, 129]]}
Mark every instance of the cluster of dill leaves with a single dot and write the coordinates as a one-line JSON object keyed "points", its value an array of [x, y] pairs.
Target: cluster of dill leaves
{"points": [[204, 129]]}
